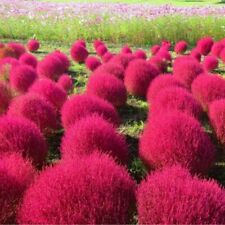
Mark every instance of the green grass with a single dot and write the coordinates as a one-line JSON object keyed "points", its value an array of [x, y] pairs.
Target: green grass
{"points": [[133, 116], [136, 32], [154, 2]]}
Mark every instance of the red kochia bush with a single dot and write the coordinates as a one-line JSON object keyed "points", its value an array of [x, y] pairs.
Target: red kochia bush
{"points": [[207, 88], [186, 69], [159, 63], [140, 54], [222, 55], [164, 54], [196, 55], [112, 68], [66, 82], [159, 83], [36, 109], [5, 97], [92, 63], [217, 118], [173, 196], [210, 63], [97, 43], [51, 91], [81, 42], [138, 76], [106, 57], [6, 52], [107, 87], [154, 49], [176, 138], [22, 136], [217, 48], [33, 45], [18, 49], [101, 50], [79, 106], [175, 98], [94, 133], [78, 53], [123, 59], [91, 190], [126, 49], [22, 77], [204, 45], [63, 58], [50, 67], [28, 59], [16, 174], [181, 47]]}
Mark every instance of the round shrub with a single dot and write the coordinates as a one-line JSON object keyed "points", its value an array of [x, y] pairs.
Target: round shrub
{"points": [[50, 91], [164, 54], [140, 54], [91, 190], [186, 69], [196, 55], [159, 83], [159, 63], [126, 49], [138, 77], [106, 57], [97, 43], [63, 58], [217, 118], [28, 59], [33, 45], [175, 98], [6, 52], [66, 82], [123, 59], [79, 106], [22, 136], [78, 53], [176, 138], [36, 109], [107, 87], [22, 77], [50, 67], [5, 97], [101, 50], [154, 49], [92, 63], [217, 48], [204, 45], [112, 68], [18, 49], [222, 55], [207, 88], [16, 174], [173, 196], [94, 133], [81, 42], [210, 63], [181, 47]]}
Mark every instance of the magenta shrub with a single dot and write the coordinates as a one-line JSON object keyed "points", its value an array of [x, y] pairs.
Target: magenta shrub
{"points": [[28, 59], [33, 45], [181, 47], [92, 63], [204, 45]]}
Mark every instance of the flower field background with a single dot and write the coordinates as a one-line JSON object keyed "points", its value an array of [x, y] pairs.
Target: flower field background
{"points": [[114, 112]]}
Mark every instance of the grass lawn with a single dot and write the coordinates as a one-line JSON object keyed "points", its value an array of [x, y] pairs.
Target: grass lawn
{"points": [[155, 2], [133, 116]]}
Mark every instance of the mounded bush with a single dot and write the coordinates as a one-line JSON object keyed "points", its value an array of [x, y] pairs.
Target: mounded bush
{"points": [[66, 82], [90, 190], [207, 88], [140, 54], [28, 59], [36, 109], [94, 133], [173, 138], [51, 91], [78, 53], [92, 63], [107, 87], [210, 63], [33, 45], [173, 196], [79, 106], [181, 47], [16, 174], [204, 45], [20, 135], [138, 76]]}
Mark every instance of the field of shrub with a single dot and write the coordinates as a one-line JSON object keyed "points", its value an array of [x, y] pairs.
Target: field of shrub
{"points": [[112, 113]]}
